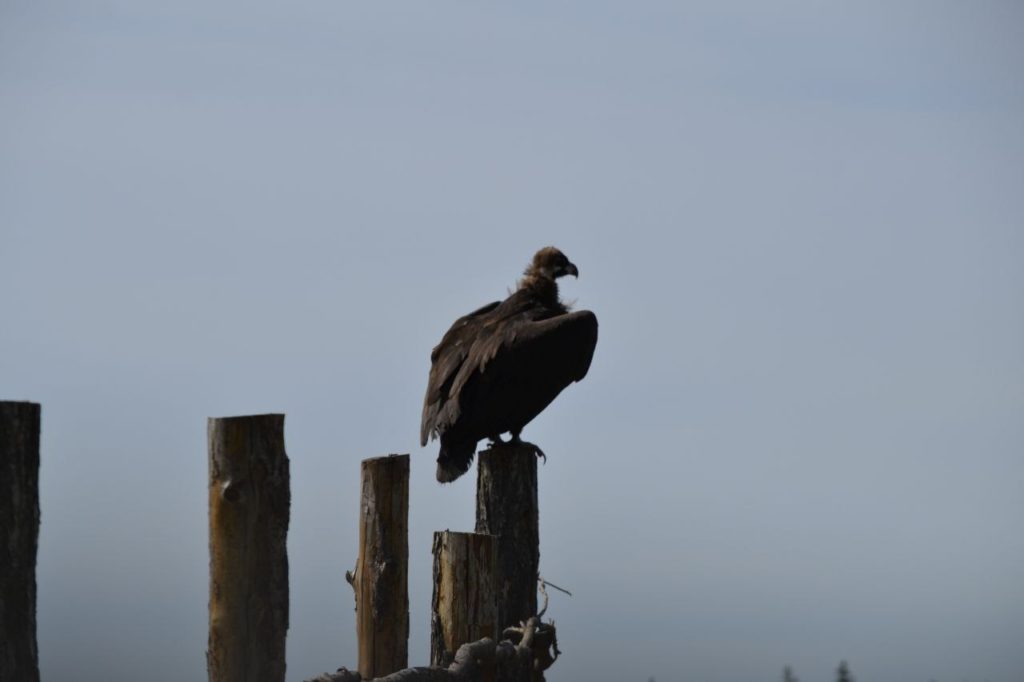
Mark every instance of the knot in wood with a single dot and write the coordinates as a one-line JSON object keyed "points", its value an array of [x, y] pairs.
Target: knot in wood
{"points": [[231, 490]]}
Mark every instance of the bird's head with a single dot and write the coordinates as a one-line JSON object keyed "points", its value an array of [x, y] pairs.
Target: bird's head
{"points": [[550, 263]]}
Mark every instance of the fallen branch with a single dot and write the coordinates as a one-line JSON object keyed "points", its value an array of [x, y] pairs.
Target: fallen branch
{"points": [[524, 654]]}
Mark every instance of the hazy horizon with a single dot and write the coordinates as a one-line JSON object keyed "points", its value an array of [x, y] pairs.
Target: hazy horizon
{"points": [[800, 227]]}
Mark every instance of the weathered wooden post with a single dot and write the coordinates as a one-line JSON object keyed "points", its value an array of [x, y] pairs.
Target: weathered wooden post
{"points": [[19, 536], [463, 606], [381, 578], [506, 506], [249, 510]]}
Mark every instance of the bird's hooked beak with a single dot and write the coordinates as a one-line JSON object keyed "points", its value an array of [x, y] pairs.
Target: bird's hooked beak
{"points": [[571, 269]]}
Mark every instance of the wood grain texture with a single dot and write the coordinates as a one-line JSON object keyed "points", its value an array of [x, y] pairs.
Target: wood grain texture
{"points": [[249, 512], [506, 507], [381, 580], [463, 606], [19, 540]]}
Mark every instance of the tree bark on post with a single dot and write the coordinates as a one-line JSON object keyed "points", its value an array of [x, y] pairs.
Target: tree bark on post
{"points": [[506, 506], [463, 606], [381, 579], [249, 510], [19, 538]]}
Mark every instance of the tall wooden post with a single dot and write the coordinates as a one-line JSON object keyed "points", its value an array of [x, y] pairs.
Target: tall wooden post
{"points": [[381, 579], [249, 509], [463, 607], [506, 506], [19, 536]]}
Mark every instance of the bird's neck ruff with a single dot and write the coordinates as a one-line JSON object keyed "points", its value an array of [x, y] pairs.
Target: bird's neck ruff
{"points": [[541, 287]]}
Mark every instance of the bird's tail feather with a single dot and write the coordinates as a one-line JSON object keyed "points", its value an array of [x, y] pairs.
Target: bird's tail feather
{"points": [[454, 459]]}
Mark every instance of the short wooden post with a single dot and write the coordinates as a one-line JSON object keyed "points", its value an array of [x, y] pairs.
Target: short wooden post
{"points": [[381, 579], [19, 536], [463, 607], [249, 510], [506, 506]]}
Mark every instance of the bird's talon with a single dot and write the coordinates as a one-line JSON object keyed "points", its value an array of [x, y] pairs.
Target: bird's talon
{"points": [[540, 453]]}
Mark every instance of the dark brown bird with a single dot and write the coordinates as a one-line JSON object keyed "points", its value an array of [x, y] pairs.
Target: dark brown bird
{"points": [[499, 366]]}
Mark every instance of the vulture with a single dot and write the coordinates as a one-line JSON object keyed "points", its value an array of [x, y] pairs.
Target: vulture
{"points": [[496, 368]]}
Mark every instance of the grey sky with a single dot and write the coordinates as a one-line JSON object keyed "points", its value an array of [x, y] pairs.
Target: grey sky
{"points": [[800, 228]]}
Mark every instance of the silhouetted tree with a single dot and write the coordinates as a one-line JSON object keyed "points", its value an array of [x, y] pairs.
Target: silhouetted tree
{"points": [[788, 676], [843, 673]]}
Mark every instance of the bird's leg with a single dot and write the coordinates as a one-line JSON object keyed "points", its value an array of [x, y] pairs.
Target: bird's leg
{"points": [[516, 440], [495, 440]]}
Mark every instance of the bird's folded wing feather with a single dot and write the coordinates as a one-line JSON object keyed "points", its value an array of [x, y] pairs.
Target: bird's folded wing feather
{"points": [[560, 347], [447, 358]]}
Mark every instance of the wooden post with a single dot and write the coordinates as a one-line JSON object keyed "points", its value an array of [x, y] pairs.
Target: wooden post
{"points": [[19, 536], [463, 607], [381, 579], [249, 506], [506, 506]]}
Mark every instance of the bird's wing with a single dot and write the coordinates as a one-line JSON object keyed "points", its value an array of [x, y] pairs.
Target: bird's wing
{"points": [[546, 355], [564, 344], [446, 359]]}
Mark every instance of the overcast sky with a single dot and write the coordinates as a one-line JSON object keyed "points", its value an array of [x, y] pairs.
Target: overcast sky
{"points": [[800, 225]]}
